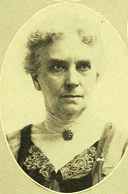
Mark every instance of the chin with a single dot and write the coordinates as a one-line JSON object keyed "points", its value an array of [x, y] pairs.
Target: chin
{"points": [[70, 111]]}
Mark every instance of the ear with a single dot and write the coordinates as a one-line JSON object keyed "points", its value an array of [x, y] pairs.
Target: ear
{"points": [[36, 82]]}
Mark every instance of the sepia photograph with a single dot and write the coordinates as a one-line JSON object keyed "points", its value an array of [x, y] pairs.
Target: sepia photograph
{"points": [[64, 98]]}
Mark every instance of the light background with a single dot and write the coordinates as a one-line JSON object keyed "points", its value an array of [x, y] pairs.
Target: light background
{"points": [[22, 104], [14, 14]]}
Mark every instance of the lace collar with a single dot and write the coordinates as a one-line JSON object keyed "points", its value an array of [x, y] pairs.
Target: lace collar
{"points": [[79, 166]]}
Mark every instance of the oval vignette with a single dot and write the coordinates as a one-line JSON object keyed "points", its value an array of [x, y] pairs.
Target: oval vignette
{"points": [[107, 106]]}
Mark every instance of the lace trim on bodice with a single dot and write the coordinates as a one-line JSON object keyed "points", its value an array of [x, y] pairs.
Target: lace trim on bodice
{"points": [[37, 160], [79, 166]]}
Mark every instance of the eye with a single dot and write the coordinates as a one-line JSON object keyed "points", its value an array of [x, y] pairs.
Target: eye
{"points": [[58, 67], [83, 65]]}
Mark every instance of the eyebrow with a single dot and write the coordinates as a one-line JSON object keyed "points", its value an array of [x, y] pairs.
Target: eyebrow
{"points": [[87, 62], [61, 61], [83, 61], [52, 60]]}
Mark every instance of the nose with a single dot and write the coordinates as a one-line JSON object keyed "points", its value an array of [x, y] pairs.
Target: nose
{"points": [[72, 79]]}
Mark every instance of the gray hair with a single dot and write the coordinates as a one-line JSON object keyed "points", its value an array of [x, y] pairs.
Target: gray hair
{"points": [[87, 31]]}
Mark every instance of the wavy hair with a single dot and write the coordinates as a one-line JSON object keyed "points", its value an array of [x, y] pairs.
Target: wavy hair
{"points": [[87, 32]]}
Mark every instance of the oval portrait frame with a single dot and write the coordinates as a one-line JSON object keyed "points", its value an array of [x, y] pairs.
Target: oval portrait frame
{"points": [[8, 73]]}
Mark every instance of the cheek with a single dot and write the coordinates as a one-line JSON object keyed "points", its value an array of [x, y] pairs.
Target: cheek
{"points": [[51, 86], [89, 82]]}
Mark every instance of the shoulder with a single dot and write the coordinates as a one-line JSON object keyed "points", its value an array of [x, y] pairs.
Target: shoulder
{"points": [[111, 147], [113, 140], [14, 139]]}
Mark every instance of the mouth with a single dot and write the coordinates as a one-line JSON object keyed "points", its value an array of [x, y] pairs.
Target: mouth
{"points": [[71, 96]]}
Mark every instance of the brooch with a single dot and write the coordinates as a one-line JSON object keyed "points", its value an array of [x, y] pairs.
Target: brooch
{"points": [[67, 134]]}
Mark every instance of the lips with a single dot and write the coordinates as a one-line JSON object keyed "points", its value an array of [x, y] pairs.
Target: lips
{"points": [[71, 96]]}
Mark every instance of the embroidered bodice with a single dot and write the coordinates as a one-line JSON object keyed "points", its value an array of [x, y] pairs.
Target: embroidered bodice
{"points": [[79, 166], [74, 176], [81, 171]]}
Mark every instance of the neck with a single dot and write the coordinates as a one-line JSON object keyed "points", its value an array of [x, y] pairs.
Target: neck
{"points": [[59, 121], [85, 126], [58, 125], [66, 117]]}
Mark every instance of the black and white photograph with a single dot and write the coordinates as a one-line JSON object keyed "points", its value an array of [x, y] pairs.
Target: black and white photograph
{"points": [[64, 99]]}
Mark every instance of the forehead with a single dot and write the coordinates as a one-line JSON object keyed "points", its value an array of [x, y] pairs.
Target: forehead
{"points": [[71, 46], [69, 39]]}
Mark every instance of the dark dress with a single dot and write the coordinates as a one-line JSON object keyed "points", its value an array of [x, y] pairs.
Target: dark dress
{"points": [[75, 176]]}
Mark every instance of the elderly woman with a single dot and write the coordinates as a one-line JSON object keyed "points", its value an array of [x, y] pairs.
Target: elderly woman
{"points": [[65, 152]]}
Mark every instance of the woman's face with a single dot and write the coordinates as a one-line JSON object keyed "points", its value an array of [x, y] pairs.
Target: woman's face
{"points": [[67, 77]]}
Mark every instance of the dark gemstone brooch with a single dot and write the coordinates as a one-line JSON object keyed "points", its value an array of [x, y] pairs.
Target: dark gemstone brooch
{"points": [[67, 134]]}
